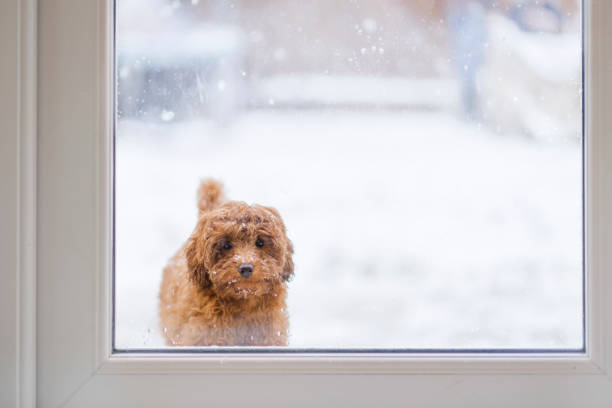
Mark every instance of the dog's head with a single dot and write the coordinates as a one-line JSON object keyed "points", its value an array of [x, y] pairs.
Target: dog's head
{"points": [[240, 251]]}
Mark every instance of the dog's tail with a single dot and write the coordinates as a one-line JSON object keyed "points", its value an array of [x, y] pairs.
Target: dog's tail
{"points": [[210, 195]]}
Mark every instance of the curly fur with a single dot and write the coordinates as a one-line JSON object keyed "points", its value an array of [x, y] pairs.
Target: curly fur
{"points": [[204, 300]]}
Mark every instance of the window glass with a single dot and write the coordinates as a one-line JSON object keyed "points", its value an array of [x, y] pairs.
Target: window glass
{"points": [[424, 156]]}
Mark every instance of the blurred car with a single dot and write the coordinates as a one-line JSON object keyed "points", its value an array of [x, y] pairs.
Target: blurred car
{"points": [[189, 73]]}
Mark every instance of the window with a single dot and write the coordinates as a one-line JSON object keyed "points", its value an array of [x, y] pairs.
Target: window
{"points": [[75, 363], [426, 161]]}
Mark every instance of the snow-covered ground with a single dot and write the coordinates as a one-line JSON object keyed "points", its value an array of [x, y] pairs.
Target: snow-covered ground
{"points": [[411, 228]]}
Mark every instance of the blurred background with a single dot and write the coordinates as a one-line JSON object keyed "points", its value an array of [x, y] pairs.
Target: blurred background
{"points": [[425, 155]]}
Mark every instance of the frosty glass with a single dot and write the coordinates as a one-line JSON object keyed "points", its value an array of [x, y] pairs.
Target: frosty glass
{"points": [[425, 156]]}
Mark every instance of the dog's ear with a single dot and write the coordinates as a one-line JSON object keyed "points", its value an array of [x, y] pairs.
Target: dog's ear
{"points": [[196, 254], [287, 273]]}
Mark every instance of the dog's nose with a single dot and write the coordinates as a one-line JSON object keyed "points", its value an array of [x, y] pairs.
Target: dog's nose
{"points": [[245, 270]]}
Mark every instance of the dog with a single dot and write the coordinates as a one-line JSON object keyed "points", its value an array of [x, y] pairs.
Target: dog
{"points": [[227, 285]]}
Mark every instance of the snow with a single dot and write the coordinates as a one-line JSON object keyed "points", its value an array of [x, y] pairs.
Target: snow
{"points": [[555, 57], [172, 45], [532, 82], [360, 90], [167, 116], [412, 229]]}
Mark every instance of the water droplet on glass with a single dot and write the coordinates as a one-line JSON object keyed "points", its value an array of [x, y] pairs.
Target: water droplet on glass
{"points": [[124, 72], [167, 116], [369, 25]]}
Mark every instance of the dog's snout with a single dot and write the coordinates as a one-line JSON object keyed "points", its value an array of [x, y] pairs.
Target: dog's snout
{"points": [[245, 270]]}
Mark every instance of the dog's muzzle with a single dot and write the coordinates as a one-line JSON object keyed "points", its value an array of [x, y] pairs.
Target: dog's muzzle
{"points": [[245, 270]]}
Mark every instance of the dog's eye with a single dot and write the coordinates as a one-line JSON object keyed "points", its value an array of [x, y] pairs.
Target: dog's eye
{"points": [[227, 245], [259, 243]]}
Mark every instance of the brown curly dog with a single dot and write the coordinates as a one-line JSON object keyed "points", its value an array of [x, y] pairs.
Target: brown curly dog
{"points": [[228, 284]]}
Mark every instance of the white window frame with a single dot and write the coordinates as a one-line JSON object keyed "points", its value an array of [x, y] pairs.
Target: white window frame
{"points": [[56, 184]]}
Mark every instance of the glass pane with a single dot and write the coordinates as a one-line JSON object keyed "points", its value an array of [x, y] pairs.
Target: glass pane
{"points": [[424, 156]]}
